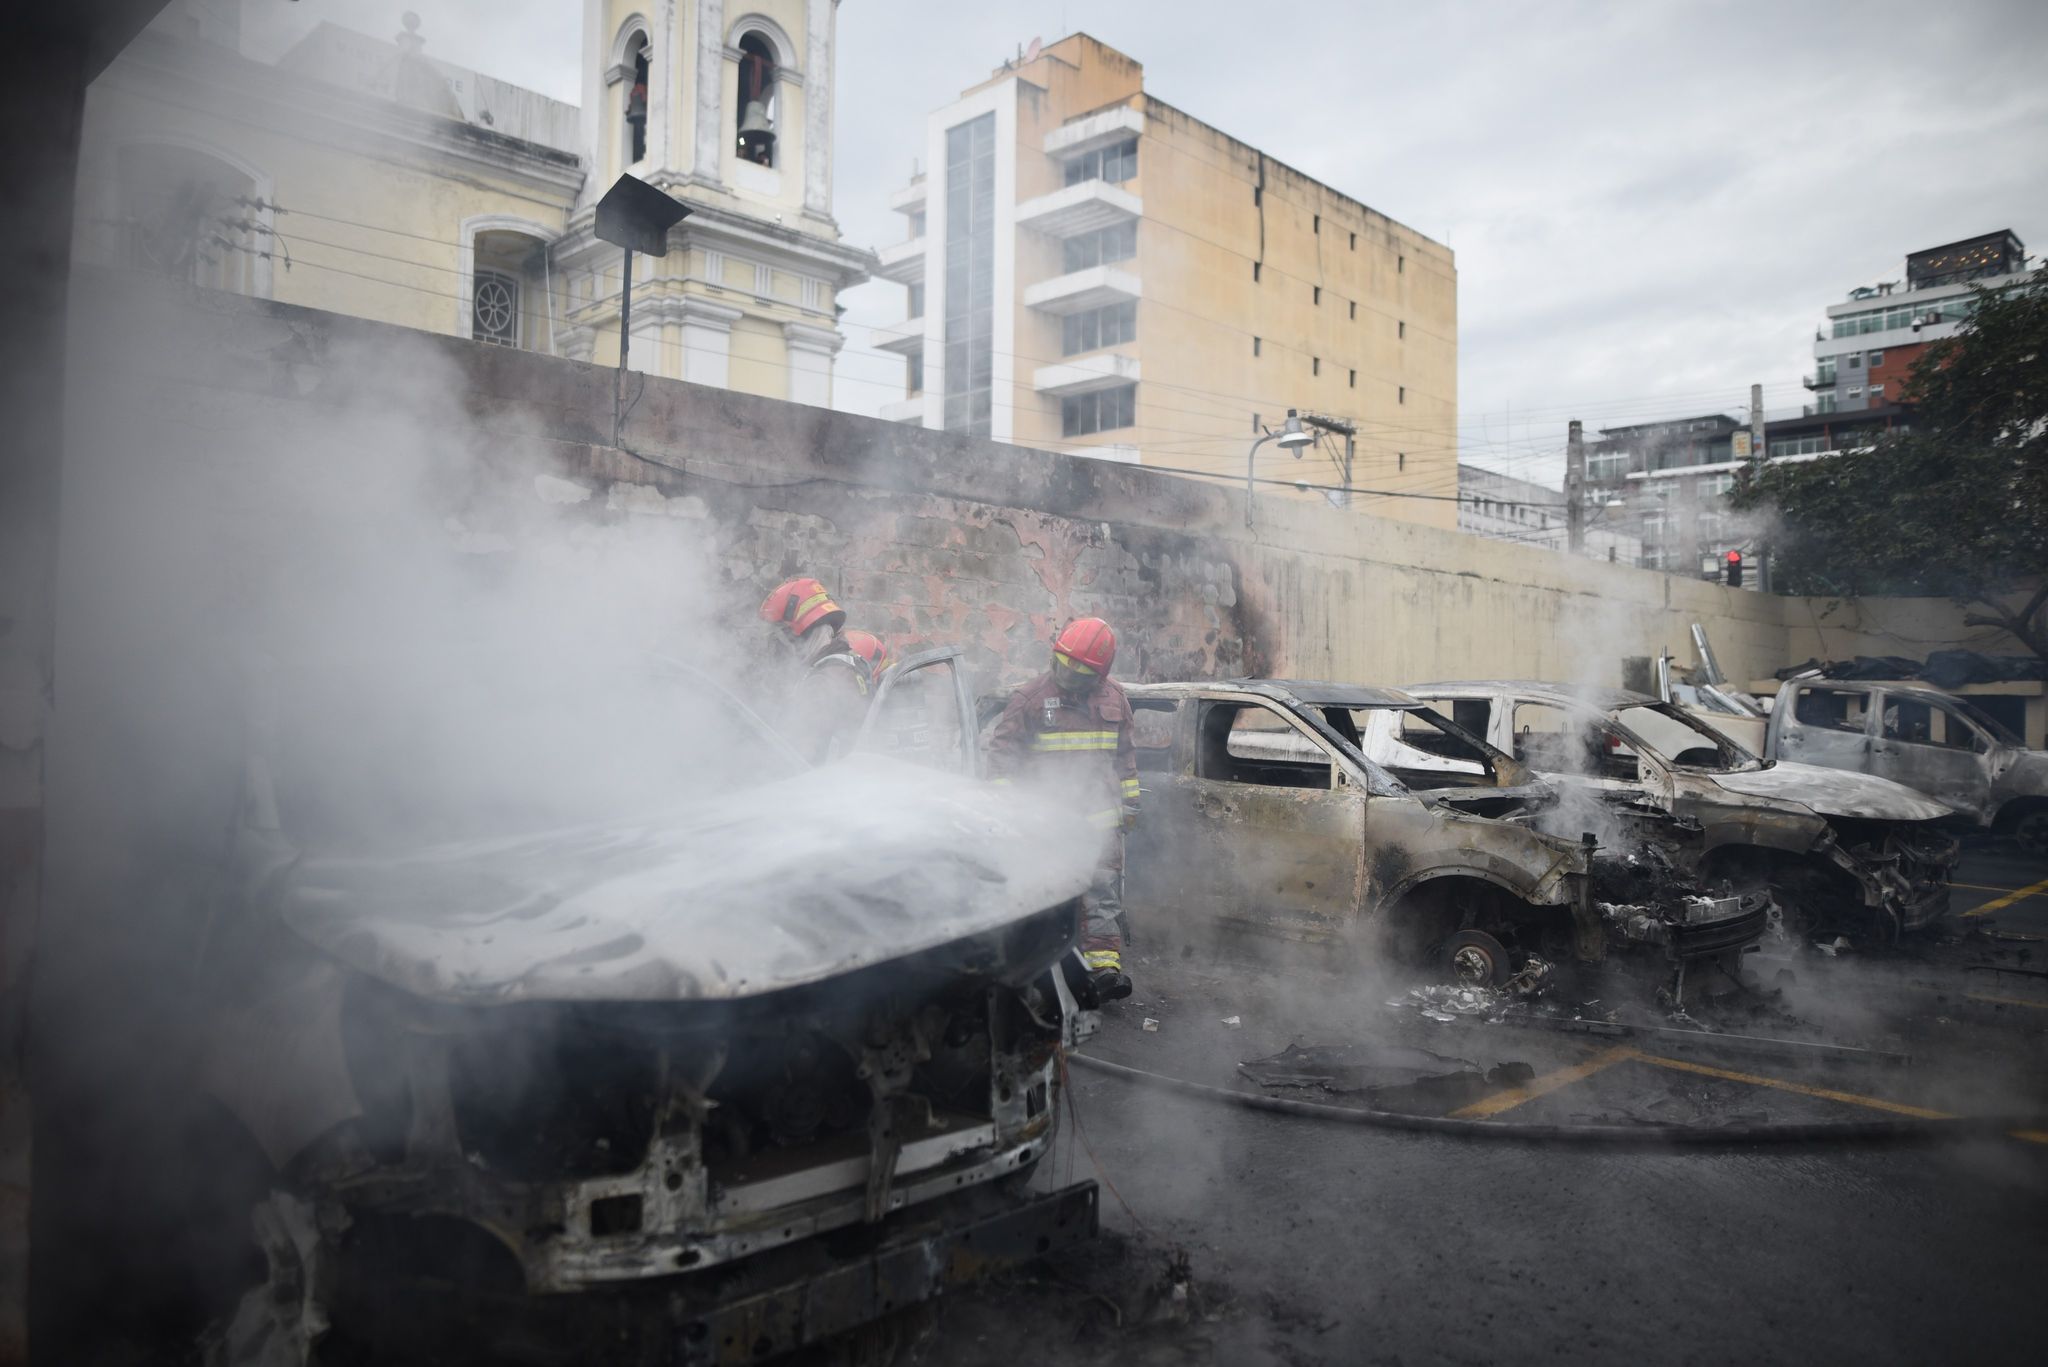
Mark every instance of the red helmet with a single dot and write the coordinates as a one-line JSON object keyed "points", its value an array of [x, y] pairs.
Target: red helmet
{"points": [[1087, 642], [871, 650], [800, 605]]}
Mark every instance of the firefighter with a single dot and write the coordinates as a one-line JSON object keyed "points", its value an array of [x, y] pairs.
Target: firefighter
{"points": [[829, 696], [1069, 731]]}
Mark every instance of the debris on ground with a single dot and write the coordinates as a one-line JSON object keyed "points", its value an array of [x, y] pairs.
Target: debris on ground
{"points": [[1448, 1001], [1353, 1067], [1234, 1022], [1150, 1024]]}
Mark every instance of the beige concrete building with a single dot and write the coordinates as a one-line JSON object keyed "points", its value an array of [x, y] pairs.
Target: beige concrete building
{"points": [[1091, 269], [359, 175]]}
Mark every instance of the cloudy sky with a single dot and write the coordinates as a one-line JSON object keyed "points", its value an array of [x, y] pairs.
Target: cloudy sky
{"points": [[1650, 203]]}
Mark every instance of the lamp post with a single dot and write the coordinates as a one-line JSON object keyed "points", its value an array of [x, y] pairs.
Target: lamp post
{"points": [[1292, 439], [636, 216]]}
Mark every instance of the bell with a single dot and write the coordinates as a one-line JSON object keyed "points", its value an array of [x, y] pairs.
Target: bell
{"points": [[755, 129]]}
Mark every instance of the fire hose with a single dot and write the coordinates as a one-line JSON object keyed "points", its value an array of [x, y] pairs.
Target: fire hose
{"points": [[1897, 1129]]}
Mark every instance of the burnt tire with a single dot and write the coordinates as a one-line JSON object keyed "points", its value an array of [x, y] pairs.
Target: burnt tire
{"points": [[2031, 830], [1475, 959]]}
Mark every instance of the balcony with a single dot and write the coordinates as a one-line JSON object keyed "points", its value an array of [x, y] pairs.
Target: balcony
{"points": [[1079, 209], [1824, 380], [1104, 370], [909, 199], [903, 262], [902, 338], [910, 410], [1080, 290], [1096, 130]]}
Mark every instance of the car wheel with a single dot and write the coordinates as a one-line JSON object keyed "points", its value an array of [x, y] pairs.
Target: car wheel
{"points": [[2031, 831], [1476, 959]]}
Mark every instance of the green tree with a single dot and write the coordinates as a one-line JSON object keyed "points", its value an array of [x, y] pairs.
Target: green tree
{"points": [[1955, 506]]}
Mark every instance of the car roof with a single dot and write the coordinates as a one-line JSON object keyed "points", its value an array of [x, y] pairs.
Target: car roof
{"points": [[1309, 692], [1605, 699]]}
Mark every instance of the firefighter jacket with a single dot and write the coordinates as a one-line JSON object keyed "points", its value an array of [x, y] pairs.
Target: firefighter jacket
{"points": [[1079, 746], [830, 701]]}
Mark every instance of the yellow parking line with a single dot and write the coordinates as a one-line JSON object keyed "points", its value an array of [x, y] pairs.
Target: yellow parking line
{"points": [[1983, 887], [1487, 1107], [2016, 895], [2003, 1001], [1875, 1103]]}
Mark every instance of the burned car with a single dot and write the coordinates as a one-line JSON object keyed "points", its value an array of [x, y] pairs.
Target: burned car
{"points": [[1264, 817], [1837, 851], [1933, 742], [676, 1084]]}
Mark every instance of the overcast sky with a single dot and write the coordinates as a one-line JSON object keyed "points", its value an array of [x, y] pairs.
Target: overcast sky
{"points": [[1650, 203]]}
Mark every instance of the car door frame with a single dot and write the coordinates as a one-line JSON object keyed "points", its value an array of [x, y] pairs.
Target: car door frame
{"points": [[963, 698]]}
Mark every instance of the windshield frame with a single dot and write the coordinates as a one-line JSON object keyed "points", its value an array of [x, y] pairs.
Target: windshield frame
{"points": [[1746, 761]]}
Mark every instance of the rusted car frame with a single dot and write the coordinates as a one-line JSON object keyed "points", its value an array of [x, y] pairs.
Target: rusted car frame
{"points": [[1263, 821], [1831, 847]]}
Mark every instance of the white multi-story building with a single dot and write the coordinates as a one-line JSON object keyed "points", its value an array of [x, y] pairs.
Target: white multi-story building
{"points": [[1503, 508]]}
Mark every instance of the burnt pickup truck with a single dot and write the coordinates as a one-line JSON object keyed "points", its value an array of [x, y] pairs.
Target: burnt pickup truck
{"points": [[699, 1085], [1837, 851], [1933, 742], [1264, 819]]}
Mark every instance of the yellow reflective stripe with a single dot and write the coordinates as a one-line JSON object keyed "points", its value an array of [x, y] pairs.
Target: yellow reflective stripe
{"points": [[1130, 786], [1071, 663], [811, 602], [1106, 820], [1099, 959]]}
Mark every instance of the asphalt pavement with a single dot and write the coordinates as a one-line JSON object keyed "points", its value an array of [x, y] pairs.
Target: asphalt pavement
{"points": [[1306, 1241]]}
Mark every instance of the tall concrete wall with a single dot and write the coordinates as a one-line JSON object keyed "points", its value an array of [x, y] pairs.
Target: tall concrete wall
{"points": [[932, 538]]}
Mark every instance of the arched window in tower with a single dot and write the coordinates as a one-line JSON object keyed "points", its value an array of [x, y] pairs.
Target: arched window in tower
{"points": [[757, 100], [636, 99]]}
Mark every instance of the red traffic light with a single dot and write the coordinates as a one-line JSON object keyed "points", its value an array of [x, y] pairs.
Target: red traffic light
{"points": [[1735, 557]]}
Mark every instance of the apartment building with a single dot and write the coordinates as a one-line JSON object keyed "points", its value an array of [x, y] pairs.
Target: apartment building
{"points": [[1093, 270], [1871, 341]]}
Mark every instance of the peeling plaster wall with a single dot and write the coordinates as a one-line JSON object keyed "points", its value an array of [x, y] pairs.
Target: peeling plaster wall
{"points": [[932, 538]]}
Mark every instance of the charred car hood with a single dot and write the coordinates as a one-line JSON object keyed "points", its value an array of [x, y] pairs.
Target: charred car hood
{"points": [[862, 862], [1837, 792]]}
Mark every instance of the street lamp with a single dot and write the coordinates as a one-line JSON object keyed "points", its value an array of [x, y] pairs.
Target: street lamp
{"points": [[1291, 438]]}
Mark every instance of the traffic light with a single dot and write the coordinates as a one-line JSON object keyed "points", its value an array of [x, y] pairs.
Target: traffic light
{"points": [[1733, 570]]}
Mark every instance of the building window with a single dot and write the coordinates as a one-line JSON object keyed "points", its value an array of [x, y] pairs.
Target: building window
{"points": [[1099, 248], [968, 365], [494, 308], [185, 214], [636, 99], [1255, 346], [1315, 365], [1876, 392], [1606, 465], [756, 101], [1354, 242], [1854, 360], [1317, 297], [1400, 265], [1255, 272], [917, 221], [1103, 410], [1110, 325], [915, 365], [1317, 227], [1354, 379], [1876, 359], [1401, 461], [1400, 332], [1354, 310], [1258, 196], [1401, 394], [1114, 164], [1855, 391], [916, 301]]}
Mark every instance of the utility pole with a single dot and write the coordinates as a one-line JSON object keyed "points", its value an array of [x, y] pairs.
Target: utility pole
{"points": [[1575, 488], [1756, 469]]}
